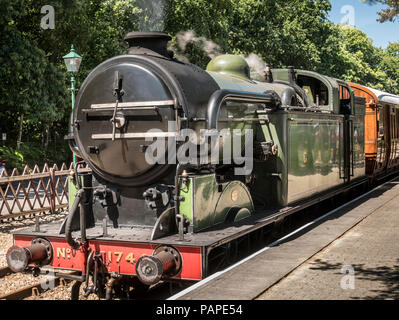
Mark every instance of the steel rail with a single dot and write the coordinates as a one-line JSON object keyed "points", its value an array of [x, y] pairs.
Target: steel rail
{"points": [[30, 290], [5, 271], [37, 288]]}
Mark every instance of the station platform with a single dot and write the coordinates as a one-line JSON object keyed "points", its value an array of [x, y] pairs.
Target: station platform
{"points": [[350, 253]]}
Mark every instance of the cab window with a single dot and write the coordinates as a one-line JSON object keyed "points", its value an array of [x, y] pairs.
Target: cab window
{"points": [[316, 90]]}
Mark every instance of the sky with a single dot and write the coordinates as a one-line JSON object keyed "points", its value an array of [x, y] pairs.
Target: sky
{"points": [[364, 17]]}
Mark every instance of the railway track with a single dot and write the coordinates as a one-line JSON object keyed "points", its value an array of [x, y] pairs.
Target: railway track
{"points": [[4, 271], [33, 289]]}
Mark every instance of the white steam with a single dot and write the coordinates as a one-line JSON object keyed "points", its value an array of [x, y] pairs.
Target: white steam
{"points": [[256, 64], [209, 47], [153, 15], [184, 38]]}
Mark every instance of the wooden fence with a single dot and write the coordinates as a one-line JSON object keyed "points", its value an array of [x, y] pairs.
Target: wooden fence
{"points": [[34, 191]]}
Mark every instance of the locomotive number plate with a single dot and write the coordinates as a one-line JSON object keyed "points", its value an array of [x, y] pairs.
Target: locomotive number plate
{"points": [[117, 257], [108, 257]]}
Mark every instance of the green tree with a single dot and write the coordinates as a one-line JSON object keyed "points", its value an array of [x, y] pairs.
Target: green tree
{"points": [[362, 59], [282, 32], [389, 13], [34, 98], [32, 90], [390, 65]]}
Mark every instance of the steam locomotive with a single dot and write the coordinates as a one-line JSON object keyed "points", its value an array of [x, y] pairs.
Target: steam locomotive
{"points": [[134, 221]]}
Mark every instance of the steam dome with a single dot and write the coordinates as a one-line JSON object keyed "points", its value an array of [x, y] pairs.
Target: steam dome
{"points": [[230, 64]]}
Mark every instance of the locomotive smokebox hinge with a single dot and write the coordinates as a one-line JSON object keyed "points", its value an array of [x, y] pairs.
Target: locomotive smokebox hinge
{"points": [[107, 196], [158, 198], [93, 149], [119, 93], [143, 148], [118, 83]]}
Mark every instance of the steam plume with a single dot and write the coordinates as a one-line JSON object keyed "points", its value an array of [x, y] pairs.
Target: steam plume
{"points": [[153, 15], [209, 47], [256, 63]]}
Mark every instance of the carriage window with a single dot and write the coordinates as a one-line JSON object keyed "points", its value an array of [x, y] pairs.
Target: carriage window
{"points": [[316, 90]]}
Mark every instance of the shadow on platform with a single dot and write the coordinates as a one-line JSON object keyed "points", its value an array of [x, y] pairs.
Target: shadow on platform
{"points": [[387, 277]]}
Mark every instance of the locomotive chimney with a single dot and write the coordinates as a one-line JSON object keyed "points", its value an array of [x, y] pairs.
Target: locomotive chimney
{"points": [[149, 43]]}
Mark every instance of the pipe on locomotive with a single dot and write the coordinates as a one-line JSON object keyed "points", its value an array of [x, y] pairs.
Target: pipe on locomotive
{"points": [[299, 91], [75, 244], [79, 205], [71, 140], [220, 96]]}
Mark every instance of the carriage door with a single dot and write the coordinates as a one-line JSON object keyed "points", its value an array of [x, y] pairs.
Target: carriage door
{"points": [[380, 138], [394, 136], [384, 148]]}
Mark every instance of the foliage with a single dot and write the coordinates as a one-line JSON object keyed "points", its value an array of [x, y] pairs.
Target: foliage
{"points": [[281, 32], [14, 158], [389, 13], [360, 60], [34, 88], [390, 65], [32, 153]]}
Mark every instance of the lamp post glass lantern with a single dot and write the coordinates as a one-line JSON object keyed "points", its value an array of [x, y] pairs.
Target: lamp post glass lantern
{"points": [[72, 62]]}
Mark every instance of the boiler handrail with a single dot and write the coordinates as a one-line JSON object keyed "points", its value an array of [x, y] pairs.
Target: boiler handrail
{"points": [[220, 96]]}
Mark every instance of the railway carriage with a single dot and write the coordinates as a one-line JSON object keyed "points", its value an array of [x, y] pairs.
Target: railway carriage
{"points": [[133, 223], [382, 133]]}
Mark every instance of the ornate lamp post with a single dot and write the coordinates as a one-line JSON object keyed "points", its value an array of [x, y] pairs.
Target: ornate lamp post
{"points": [[72, 62]]}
